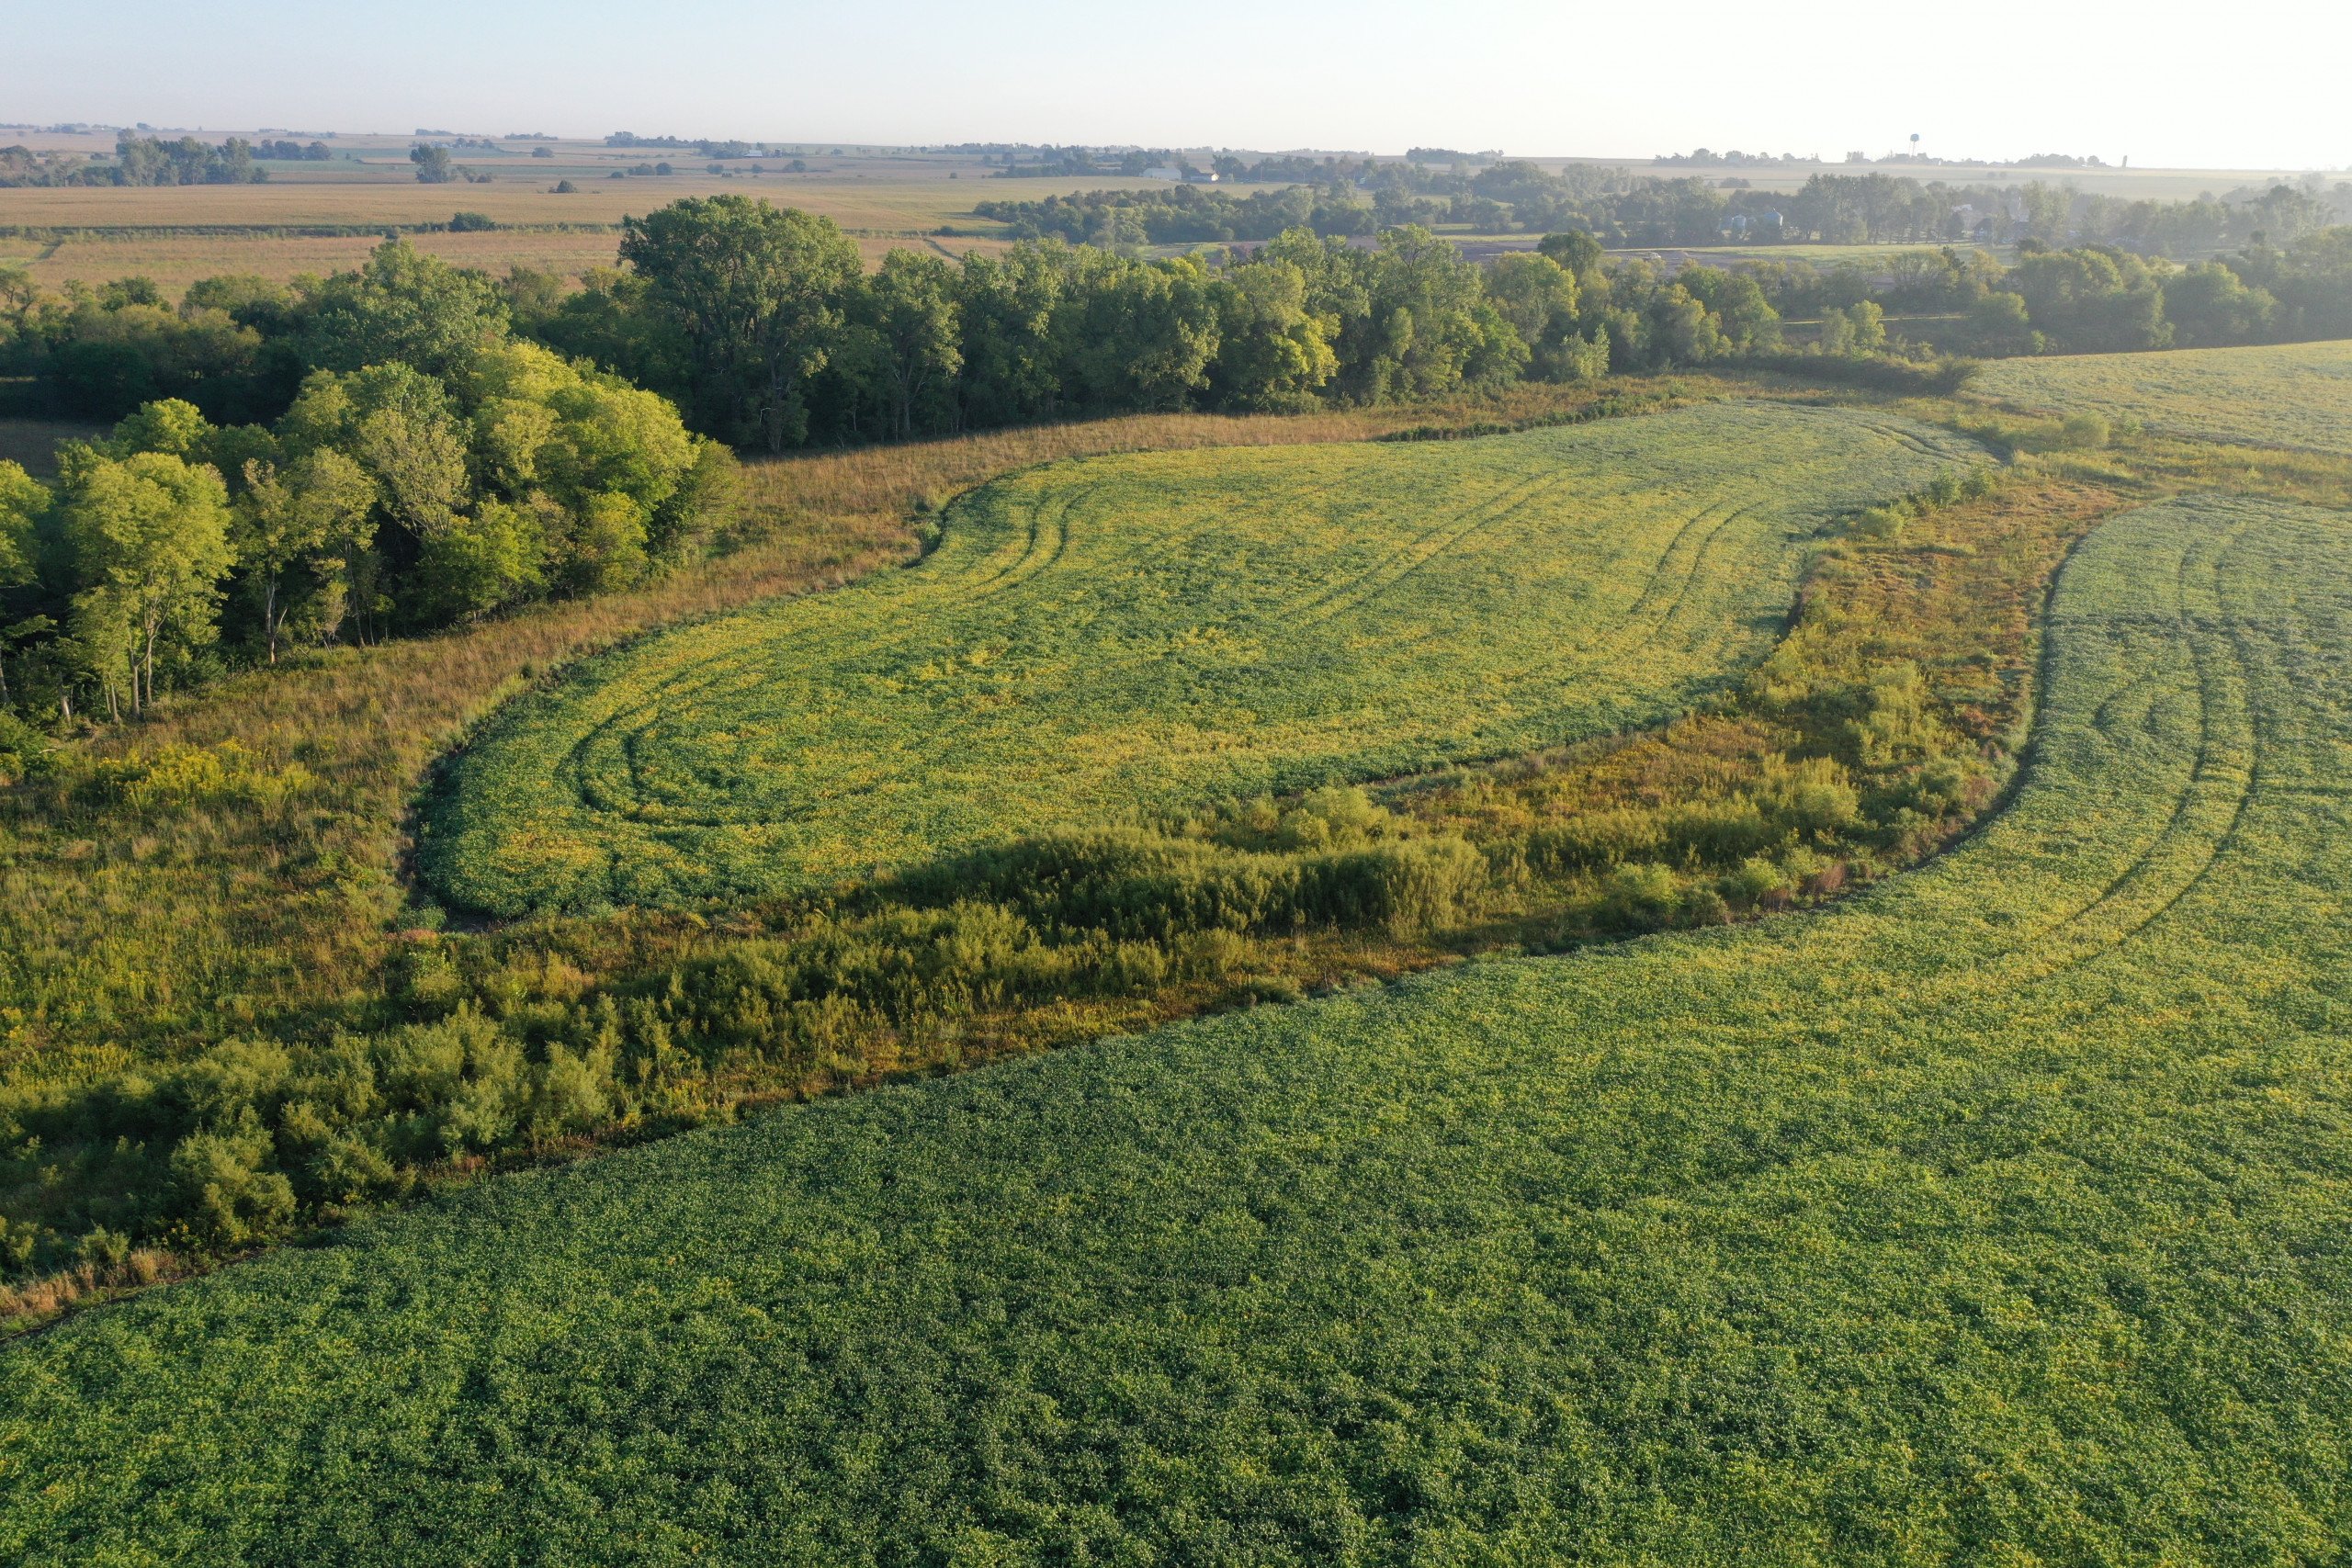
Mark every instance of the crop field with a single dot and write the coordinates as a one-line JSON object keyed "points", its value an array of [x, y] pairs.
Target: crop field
{"points": [[1162, 630], [173, 261], [1993, 1215], [2296, 395], [903, 205], [176, 234]]}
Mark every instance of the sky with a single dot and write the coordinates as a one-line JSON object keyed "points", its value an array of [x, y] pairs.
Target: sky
{"points": [[2255, 84]]}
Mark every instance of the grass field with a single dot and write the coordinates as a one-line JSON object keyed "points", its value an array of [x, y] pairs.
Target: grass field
{"points": [[1993, 1216], [2297, 395], [1162, 631], [123, 936]]}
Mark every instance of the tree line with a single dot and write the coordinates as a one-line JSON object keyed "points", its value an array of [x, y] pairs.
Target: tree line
{"points": [[2084, 299], [1519, 196], [765, 326], [150, 160], [422, 465]]}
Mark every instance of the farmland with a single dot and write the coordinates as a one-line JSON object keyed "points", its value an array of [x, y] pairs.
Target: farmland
{"points": [[178, 234], [173, 259], [1159, 631], [855, 202], [123, 938], [1994, 1214], [1642, 929], [2296, 395]]}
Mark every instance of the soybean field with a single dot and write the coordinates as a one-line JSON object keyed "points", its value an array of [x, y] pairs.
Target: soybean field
{"points": [[1995, 1214], [2294, 395], [1157, 630]]}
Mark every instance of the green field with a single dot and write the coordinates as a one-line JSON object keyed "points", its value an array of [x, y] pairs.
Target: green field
{"points": [[2297, 395], [1159, 630], [1995, 1216]]}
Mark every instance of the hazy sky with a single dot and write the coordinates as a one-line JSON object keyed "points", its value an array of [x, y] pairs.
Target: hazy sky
{"points": [[2255, 83]]}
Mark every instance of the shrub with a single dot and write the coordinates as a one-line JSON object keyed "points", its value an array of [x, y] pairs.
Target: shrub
{"points": [[1405, 889], [1754, 881], [1643, 897], [226, 1196], [180, 776], [2085, 431], [24, 750]]}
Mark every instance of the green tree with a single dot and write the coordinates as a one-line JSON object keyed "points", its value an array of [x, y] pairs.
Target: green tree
{"points": [[913, 322], [404, 307], [1136, 335], [468, 565], [2093, 299], [1744, 317], [756, 296], [24, 500], [1541, 299], [1428, 328], [607, 544], [1273, 353], [1999, 324], [314, 511], [1012, 363], [170, 426], [432, 164], [546, 428], [1855, 331], [2209, 304], [401, 427], [149, 539], [1577, 254]]}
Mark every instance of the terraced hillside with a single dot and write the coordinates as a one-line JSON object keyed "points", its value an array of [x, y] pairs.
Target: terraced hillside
{"points": [[2296, 395], [1995, 1215], [1161, 629]]}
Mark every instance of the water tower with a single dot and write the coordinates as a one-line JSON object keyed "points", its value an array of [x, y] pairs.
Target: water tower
{"points": [[1914, 146]]}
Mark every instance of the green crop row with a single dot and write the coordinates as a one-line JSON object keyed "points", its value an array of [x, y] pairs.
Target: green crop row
{"points": [[1155, 631], [1993, 1215], [2297, 395]]}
